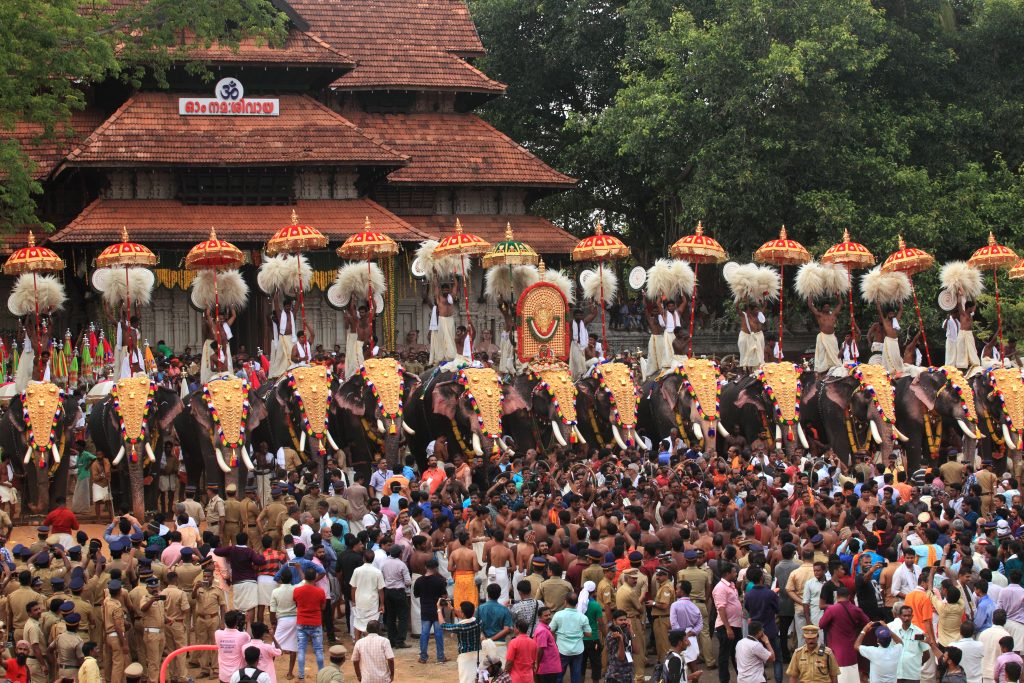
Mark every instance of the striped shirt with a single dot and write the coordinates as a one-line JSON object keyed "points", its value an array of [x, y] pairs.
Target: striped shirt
{"points": [[373, 652], [467, 633], [273, 559]]}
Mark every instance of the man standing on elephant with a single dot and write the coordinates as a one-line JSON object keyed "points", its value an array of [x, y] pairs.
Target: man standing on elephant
{"points": [[892, 358], [751, 340], [442, 327], [966, 356], [284, 328], [580, 340], [826, 348]]}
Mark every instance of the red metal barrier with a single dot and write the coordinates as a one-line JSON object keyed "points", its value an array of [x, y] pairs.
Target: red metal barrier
{"points": [[181, 651]]}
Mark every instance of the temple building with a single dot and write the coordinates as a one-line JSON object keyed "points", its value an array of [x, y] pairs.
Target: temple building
{"points": [[365, 112]]}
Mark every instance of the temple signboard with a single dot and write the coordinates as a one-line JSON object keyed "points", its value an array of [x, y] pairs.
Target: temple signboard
{"points": [[229, 100]]}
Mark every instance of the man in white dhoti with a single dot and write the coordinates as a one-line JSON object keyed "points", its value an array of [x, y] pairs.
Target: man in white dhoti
{"points": [[442, 327], [302, 352], [669, 320], [826, 348], [892, 357], [851, 350], [966, 355], [952, 327], [580, 339], [751, 339], [368, 584], [284, 318], [508, 364], [651, 365], [464, 337], [353, 346]]}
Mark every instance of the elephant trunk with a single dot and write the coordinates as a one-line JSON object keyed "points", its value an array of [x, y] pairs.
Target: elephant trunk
{"points": [[886, 432], [391, 444], [135, 481]]}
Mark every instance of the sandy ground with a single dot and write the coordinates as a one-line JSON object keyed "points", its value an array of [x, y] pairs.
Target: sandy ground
{"points": [[407, 668]]}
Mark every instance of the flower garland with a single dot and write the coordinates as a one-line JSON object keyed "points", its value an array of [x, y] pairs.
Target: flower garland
{"points": [[463, 381], [775, 403], [603, 381], [219, 428], [133, 440], [306, 425], [993, 379], [397, 415], [542, 385], [858, 374], [952, 377], [32, 441], [712, 420]]}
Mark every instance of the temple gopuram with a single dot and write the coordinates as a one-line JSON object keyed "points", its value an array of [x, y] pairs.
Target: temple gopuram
{"points": [[365, 112]]}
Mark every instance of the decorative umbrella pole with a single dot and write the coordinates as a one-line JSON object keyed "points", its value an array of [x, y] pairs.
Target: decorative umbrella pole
{"points": [[33, 259], [995, 256], [851, 255], [126, 254], [782, 252], [462, 244], [214, 254], [697, 248], [911, 261], [509, 253], [600, 247], [296, 239], [367, 245]]}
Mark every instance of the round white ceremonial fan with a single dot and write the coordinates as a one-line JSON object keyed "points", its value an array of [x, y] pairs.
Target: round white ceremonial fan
{"points": [[637, 277], [947, 300]]}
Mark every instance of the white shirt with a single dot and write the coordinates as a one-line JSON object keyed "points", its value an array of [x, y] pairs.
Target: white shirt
{"points": [[989, 640], [287, 321], [904, 580], [973, 656], [670, 321], [751, 656], [304, 351], [850, 352], [884, 662], [579, 332], [952, 327]]}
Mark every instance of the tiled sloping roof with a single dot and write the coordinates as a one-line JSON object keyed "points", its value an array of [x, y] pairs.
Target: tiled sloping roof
{"points": [[539, 233], [48, 153], [168, 220], [401, 43], [147, 130], [300, 47], [446, 149]]}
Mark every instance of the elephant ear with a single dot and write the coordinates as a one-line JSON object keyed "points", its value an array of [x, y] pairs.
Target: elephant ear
{"points": [[257, 411], [513, 400], [200, 413], [925, 388], [169, 406], [839, 392], [445, 399], [350, 396], [751, 394], [668, 389]]}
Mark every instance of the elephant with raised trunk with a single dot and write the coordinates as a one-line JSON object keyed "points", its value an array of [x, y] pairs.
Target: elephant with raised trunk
{"points": [[946, 400], [607, 405], [130, 425], [685, 399], [215, 448], [26, 428]]}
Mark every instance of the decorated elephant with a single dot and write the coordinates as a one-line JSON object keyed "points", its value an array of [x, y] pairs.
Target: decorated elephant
{"points": [[130, 426], [936, 406], [687, 399], [370, 409], [850, 410], [215, 428], [999, 402], [767, 403], [606, 405], [35, 433], [548, 416]]}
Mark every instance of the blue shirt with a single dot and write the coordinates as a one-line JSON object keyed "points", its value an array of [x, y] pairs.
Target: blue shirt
{"points": [[762, 604], [983, 615], [493, 617], [875, 557], [294, 574]]}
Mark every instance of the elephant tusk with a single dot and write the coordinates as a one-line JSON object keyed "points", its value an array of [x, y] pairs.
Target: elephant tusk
{"points": [[477, 448], [969, 433], [618, 437], [697, 431], [722, 430], [1008, 438], [778, 436], [302, 441], [505, 447], [874, 432], [579, 434], [330, 440], [56, 454], [149, 453], [803, 437], [120, 455], [246, 459], [900, 435], [380, 425], [220, 462], [558, 434], [28, 455], [638, 440], [407, 429]]}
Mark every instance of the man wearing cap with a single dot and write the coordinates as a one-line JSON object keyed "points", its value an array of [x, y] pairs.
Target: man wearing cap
{"points": [[627, 600], [331, 673], [643, 584], [987, 480], [700, 591], [116, 652], [84, 609], [271, 517], [214, 509], [664, 595], [553, 591], [811, 663], [250, 512], [884, 657], [231, 522], [210, 606], [177, 612], [67, 648], [154, 621], [193, 508]]}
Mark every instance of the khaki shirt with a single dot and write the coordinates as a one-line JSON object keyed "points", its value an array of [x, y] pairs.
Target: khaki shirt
{"points": [[194, 510], [69, 650], [176, 606], [273, 516], [627, 600], [250, 511], [210, 600], [34, 634], [135, 598], [232, 512], [535, 581], [153, 617], [592, 573], [311, 503], [606, 596], [19, 601], [700, 582], [188, 575], [84, 610], [553, 593], [330, 674], [807, 666], [214, 511], [113, 616], [666, 593]]}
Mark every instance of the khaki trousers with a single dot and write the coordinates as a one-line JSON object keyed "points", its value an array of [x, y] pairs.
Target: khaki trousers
{"points": [[660, 626], [113, 660], [704, 638], [175, 638], [153, 644], [639, 648], [205, 629]]}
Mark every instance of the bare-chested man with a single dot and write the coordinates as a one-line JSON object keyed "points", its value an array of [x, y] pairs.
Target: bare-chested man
{"points": [[656, 350], [463, 566], [442, 326], [751, 339], [966, 349], [888, 318], [826, 348], [498, 556], [354, 332]]}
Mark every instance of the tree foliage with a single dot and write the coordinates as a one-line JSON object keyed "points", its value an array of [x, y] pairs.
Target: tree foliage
{"points": [[54, 50]]}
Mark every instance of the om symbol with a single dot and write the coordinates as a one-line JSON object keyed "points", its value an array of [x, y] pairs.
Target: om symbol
{"points": [[229, 90]]}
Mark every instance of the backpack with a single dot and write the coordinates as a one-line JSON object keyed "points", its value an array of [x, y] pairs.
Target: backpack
{"points": [[661, 672], [246, 678]]}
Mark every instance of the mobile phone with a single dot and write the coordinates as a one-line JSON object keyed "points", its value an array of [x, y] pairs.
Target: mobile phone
{"points": [[919, 636]]}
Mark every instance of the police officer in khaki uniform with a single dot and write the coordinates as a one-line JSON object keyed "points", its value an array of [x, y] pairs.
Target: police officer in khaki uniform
{"points": [[154, 622], [115, 654], [67, 648], [19, 600], [331, 673], [554, 590], [700, 591], [627, 600], [188, 571], [811, 664], [664, 596], [606, 597], [209, 605], [311, 501], [214, 508], [593, 571], [177, 612], [250, 512], [88, 626], [192, 506], [231, 522], [643, 584], [37, 666], [133, 603], [272, 517]]}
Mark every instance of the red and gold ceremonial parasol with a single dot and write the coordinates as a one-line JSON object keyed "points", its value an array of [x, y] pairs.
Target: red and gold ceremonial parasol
{"points": [[600, 247], [697, 248], [995, 256], [782, 252], [911, 261], [462, 244], [33, 259], [296, 239], [214, 254], [126, 254], [853, 256], [367, 246], [1017, 272]]}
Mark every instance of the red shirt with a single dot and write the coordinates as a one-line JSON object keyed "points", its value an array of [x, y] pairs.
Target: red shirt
{"points": [[309, 603], [15, 672], [61, 521]]}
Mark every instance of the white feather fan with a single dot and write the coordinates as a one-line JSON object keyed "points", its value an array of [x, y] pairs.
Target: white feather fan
{"points": [[507, 284], [353, 280], [232, 291], [110, 282], [884, 288], [669, 279], [603, 281], [46, 289], [816, 280], [962, 279], [523, 277], [751, 282], [563, 282], [280, 274], [439, 269]]}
